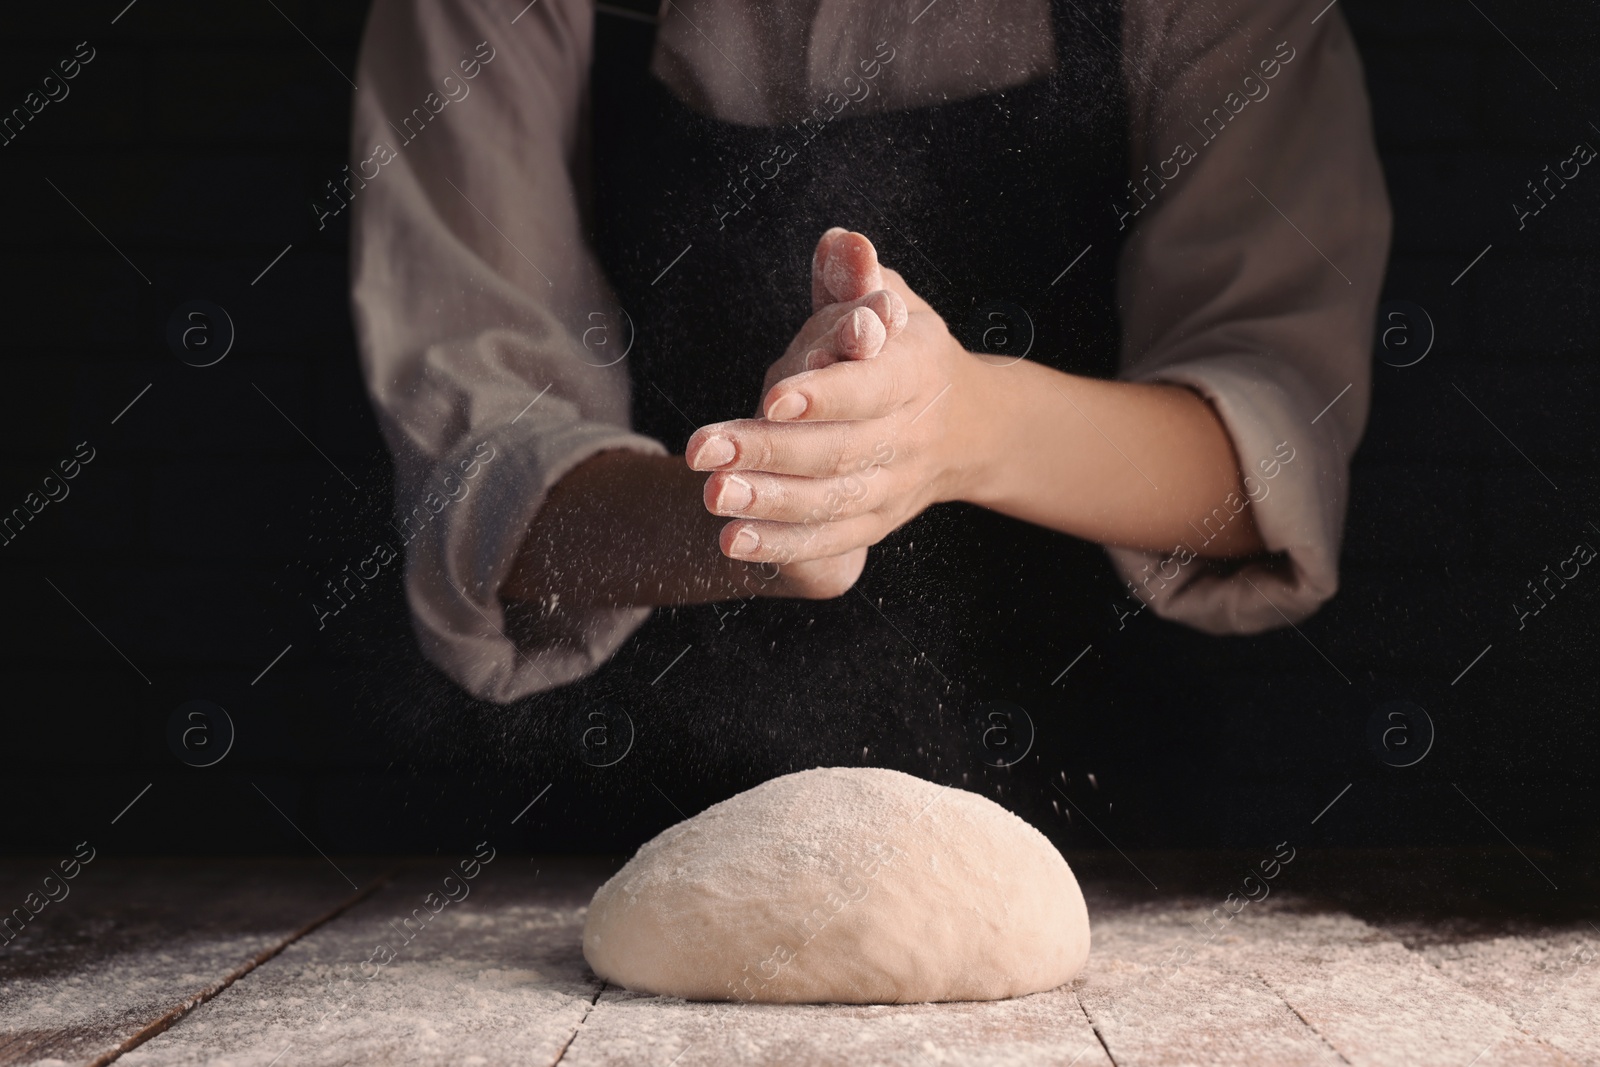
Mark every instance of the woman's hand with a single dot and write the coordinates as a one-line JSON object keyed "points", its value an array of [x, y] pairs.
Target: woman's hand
{"points": [[857, 440], [851, 448]]}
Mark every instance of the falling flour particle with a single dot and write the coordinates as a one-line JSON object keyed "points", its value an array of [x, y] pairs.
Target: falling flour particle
{"points": [[851, 885]]}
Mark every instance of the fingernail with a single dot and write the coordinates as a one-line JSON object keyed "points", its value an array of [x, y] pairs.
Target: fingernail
{"points": [[859, 324], [815, 358], [788, 406], [716, 451], [891, 310], [745, 542], [736, 494]]}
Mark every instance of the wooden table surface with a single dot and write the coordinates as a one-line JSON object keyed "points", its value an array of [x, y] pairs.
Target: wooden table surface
{"points": [[1469, 959]]}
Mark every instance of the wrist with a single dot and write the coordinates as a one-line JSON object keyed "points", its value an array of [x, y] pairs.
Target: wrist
{"points": [[971, 444]]}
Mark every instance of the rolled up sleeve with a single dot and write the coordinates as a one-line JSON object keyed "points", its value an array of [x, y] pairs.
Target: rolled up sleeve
{"points": [[487, 333], [1252, 277]]}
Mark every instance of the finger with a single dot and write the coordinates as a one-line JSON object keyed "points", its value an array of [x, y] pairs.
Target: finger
{"points": [[819, 259], [861, 337], [857, 335], [792, 542], [820, 579], [846, 389], [851, 270], [816, 346], [783, 498], [885, 305], [810, 450], [890, 308]]}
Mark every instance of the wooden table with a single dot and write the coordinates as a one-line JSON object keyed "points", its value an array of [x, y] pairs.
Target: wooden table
{"points": [[1462, 958]]}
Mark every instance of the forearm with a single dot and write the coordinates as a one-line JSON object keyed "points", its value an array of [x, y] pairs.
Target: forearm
{"points": [[626, 529], [1120, 463]]}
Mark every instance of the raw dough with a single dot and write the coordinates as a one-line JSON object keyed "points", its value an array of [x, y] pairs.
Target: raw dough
{"points": [[854, 885]]}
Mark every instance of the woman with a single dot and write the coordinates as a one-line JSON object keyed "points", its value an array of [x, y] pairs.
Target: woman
{"points": [[1178, 211]]}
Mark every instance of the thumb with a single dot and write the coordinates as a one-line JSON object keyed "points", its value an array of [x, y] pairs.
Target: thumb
{"points": [[819, 260], [851, 269]]}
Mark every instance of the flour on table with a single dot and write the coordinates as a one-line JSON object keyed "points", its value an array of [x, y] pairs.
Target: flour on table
{"points": [[849, 885]]}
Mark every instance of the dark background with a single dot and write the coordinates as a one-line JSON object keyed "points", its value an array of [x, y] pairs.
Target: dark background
{"points": [[192, 543]]}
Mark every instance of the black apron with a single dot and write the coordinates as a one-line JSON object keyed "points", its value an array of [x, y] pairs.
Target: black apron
{"points": [[706, 231]]}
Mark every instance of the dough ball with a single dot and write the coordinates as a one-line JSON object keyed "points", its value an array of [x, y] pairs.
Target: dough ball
{"points": [[853, 885]]}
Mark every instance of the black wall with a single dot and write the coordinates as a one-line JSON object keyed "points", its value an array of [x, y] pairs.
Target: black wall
{"points": [[184, 559]]}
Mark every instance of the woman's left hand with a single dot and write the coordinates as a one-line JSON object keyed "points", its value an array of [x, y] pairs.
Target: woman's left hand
{"points": [[848, 452]]}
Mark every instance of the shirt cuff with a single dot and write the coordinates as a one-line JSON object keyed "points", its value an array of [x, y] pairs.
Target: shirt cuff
{"points": [[463, 529], [1296, 478]]}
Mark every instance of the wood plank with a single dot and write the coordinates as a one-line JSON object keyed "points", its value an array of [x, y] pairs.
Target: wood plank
{"points": [[1158, 998], [1372, 999], [1546, 981], [131, 939], [630, 1029], [1379, 1004], [497, 978], [1191, 1015]]}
